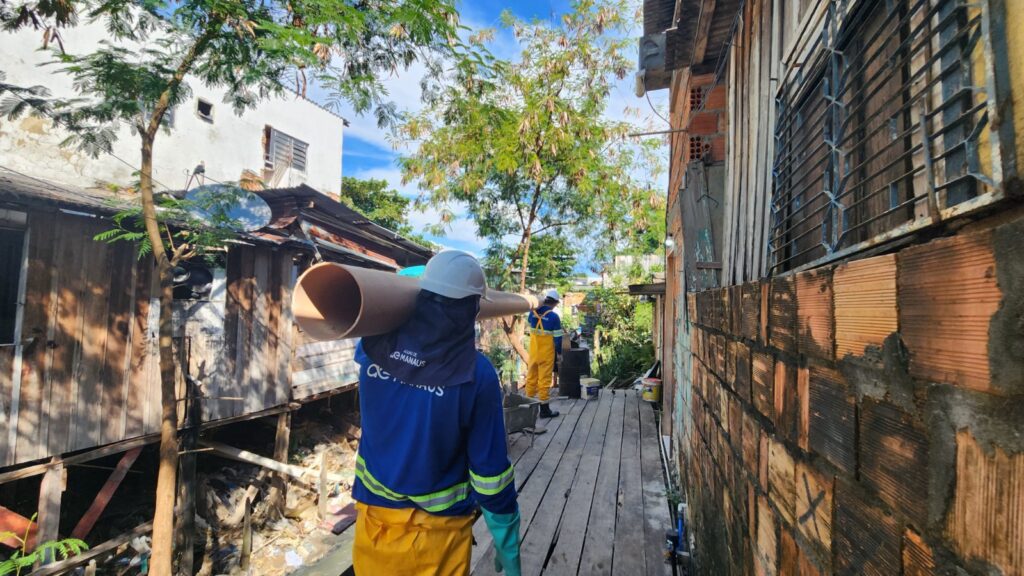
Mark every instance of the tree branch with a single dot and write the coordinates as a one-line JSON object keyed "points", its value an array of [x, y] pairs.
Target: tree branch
{"points": [[550, 226]]}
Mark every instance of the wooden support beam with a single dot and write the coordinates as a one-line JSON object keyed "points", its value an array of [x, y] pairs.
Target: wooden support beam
{"points": [[323, 487], [50, 492], [707, 13], [105, 494], [108, 450], [246, 553], [279, 486], [185, 526], [94, 552], [11, 521], [239, 455]]}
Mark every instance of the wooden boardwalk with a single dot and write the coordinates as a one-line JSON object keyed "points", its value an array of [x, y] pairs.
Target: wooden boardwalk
{"points": [[591, 492]]}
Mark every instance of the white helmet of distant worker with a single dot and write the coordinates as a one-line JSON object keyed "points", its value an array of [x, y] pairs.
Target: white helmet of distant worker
{"points": [[552, 294], [454, 274]]}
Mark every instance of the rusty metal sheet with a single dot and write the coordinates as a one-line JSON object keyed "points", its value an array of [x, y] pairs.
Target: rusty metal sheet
{"points": [[815, 317], [894, 458], [865, 304], [947, 296]]}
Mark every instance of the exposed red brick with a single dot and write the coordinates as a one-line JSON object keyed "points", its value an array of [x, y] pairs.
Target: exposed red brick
{"points": [[866, 540], [751, 440], [917, 556], [751, 305], [766, 555], [765, 308], [736, 309], [814, 509], [781, 481], [704, 124], [785, 401], [947, 296], [815, 317], [736, 424], [715, 99], [763, 380], [741, 371], [789, 555], [831, 418], [894, 459], [865, 304], [718, 149], [762, 461], [783, 312], [803, 380], [986, 519]]}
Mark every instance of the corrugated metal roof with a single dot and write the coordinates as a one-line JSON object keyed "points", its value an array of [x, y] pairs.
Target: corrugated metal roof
{"points": [[22, 188]]}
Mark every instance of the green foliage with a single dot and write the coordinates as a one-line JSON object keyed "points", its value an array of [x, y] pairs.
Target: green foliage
{"points": [[23, 560], [377, 201], [526, 147], [624, 323], [380, 204], [551, 263]]}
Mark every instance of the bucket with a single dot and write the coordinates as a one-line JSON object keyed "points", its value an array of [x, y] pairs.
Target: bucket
{"points": [[651, 391], [589, 388]]}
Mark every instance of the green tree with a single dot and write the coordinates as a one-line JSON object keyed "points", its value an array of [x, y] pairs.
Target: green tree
{"points": [[553, 258], [249, 49], [527, 149], [377, 201]]}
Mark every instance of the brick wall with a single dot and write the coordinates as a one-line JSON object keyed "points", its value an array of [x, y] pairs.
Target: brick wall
{"points": [[865, 418]]}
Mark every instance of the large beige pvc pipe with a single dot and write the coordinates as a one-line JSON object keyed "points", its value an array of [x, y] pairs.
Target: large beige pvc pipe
{"points": [[333, 301]]}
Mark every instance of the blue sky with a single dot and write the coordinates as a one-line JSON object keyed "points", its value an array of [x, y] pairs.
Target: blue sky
{"points": [[369, 154]]}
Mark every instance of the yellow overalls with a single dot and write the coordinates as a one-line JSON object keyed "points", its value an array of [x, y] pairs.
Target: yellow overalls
{"points": [[542, 359], [410, 542]]}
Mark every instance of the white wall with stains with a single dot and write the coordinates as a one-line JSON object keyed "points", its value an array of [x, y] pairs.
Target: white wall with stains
{"points": [[227, 145]]}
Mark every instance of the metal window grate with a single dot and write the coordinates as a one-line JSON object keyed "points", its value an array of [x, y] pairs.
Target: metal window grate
{"points": [[284, 151], [886, 126]]}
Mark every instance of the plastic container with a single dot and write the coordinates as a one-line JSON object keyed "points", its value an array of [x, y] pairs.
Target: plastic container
{"points": [[651, 391], [589, 388]]}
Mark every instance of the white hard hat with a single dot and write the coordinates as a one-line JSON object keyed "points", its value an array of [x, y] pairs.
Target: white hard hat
{"points": [[454, 274], [552, 295]]}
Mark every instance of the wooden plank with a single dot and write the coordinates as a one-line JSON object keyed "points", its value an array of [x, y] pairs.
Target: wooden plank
{"points": [[11, 361], [70, 284], [116, 369], [105, 494], [337, 561], [89, 408], [534, 487], [565, 557], [656, 513], [11, 521], [28, 432], [596, 557], [7, 430], [51, 490], [139, 350], [629, 555], [255, 385], [543, 530], [525, 454], [94, 552]]}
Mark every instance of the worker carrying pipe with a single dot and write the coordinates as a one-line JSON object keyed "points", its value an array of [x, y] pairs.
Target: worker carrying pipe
{"points": [[433, 444], [545, 328]]}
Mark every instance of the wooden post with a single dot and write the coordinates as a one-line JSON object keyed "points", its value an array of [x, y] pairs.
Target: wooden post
{"points": [[279, 487], [50, 492], [246, 536], [323, 490]]}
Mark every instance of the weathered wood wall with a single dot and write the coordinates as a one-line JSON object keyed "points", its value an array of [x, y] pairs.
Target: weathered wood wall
{"points": [[89, 373], [319, 367]]}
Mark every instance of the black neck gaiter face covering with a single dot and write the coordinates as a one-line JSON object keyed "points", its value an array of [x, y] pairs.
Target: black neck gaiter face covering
{"points": [[435, 347]]}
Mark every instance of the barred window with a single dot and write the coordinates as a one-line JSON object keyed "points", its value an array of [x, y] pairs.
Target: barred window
{"points": [[886, 127]]}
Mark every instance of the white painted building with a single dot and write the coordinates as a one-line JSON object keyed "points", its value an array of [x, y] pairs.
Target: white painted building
{"points": [[286, 141]]}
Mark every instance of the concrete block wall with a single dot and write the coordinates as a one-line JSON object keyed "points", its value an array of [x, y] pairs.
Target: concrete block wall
{"points": [[864, 418]]}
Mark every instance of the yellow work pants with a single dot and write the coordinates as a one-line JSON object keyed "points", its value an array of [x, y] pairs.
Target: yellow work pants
{"points": [[410, 542], [542, 364]]}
